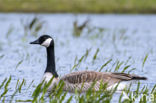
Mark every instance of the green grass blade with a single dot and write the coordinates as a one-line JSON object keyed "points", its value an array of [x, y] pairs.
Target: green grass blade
{"points": [[96, 53], [18, 64], [105, 64], [145, 59], [3, 83]]}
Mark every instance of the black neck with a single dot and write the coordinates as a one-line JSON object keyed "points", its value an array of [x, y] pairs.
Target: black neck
{"points": [[51, 61]]}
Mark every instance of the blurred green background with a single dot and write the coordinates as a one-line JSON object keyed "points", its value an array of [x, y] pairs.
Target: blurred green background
{"points": [[79, 6]]}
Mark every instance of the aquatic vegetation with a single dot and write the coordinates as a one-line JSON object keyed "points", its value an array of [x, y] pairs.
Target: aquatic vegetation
{"points": [[143, 63], [105, 64], [33, 26], [78, 29], [141, 94], [19, 63], [10, 30], [5, 87]]}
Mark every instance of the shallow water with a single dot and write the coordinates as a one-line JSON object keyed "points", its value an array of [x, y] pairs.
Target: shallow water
{"points": [[124, 37]]}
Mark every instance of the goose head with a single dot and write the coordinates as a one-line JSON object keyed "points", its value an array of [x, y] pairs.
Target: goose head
{"points": [[44, 40]]}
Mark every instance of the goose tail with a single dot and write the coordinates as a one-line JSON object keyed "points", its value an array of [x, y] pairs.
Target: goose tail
{"points": [[127, 77], [135, 77]]}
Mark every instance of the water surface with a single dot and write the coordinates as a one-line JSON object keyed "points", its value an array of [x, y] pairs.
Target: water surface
{"points": [[125, 37]]}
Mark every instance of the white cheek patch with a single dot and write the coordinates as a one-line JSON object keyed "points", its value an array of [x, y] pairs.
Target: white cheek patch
{"points": [[47, 42]]}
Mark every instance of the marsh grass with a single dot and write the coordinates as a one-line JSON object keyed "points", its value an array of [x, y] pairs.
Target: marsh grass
{"points": [[105, 64], [144, 60], [115, 36], [33, 26], [5, 87], [78, 29], [79, 6], [19, 63], [78, 62], [58, 96], [87, 30], [40, 94]]}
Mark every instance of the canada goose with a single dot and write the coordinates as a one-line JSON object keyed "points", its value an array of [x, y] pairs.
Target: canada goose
{"points": [[75, 80]]}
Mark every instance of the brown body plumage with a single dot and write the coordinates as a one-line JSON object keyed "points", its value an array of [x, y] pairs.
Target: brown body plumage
{"points": [[75, 80]]}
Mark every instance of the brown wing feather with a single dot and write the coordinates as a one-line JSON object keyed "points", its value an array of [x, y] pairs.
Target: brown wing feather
{"points": [[91, 76], [86, 76]]}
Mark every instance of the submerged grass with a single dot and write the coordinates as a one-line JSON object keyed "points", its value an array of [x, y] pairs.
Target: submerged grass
{"points": [[5, 88], [129, 95], [140, 94], [40, 94]]}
